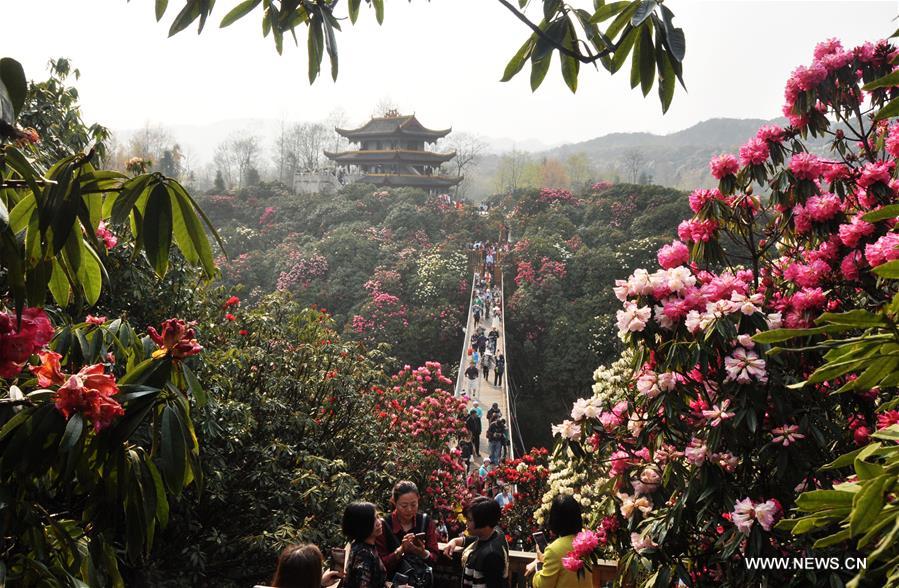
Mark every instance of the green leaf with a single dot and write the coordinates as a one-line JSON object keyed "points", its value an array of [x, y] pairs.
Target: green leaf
{"points": [[888, 111], [161, 5], [379, 10], [624, 49], [238, 12], [517, 62], [315, 45], [157, 229], [72, 434], [90, 273], [608, 11], [887, 212], [868, 503], [539, 67], [643, 11], [119, 207], [666, 78], [189, 233], [854, 318], [570, 65], [188, 14], [172, 455], [193, 384], [819, 499], [834, 539], [13, 78], [887, 81], [778, 335], [889, 270], [843, 461], [59, 285], [331, 48], [674, 37], [354, 10], [647, 60]]}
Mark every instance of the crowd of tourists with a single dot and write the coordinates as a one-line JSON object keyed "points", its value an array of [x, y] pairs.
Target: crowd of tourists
{"points": [[485, 355], [400, 548]]}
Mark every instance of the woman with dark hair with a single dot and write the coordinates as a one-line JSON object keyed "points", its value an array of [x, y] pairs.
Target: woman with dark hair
{"points": [[300, 566], [362, 527], [409, 542], [565, 521], [485, 559]]}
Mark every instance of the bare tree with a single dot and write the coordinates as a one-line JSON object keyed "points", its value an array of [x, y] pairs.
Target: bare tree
{"points": [[633, 162], [580, 172], [149, 143], [511, 169], [468, 150], [235, 157], [337, 119]]}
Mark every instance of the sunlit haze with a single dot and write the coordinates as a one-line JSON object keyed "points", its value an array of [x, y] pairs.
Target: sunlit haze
{"points": [[441, 59]]}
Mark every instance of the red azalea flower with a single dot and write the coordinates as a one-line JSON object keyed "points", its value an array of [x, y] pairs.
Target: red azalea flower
{"points": [[178, 339], [95, 320], [230, 317], [244, 332], [89, 392], [17, 345], [49, 373]]}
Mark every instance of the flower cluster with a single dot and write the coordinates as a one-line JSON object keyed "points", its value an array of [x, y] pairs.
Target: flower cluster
{"points": [[177, 339], [20, 340]]}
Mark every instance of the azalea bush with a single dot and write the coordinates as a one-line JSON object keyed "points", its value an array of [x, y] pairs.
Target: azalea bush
{"points": [[96, 432], [527, 476], [709, 442]]}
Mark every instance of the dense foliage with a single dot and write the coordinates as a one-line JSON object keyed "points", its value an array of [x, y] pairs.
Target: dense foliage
{"points": [[390, 266]]}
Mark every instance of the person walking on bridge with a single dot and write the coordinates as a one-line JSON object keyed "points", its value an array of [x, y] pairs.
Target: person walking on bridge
{"points": [[499, 370], [471, 379], [473, 424]]}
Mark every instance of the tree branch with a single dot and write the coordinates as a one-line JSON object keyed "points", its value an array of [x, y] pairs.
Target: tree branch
{"points": [[589, 58]]}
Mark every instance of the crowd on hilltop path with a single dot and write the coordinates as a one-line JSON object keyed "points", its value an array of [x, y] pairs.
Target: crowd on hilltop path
{"points": [[403, 546]]}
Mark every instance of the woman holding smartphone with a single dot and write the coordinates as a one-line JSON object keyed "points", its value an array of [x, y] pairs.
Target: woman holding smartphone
{"points": [[409, 542], [362, 526], [565, 521]]}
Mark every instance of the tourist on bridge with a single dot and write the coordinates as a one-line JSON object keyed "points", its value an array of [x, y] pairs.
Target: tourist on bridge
{"points": [[476, 358], [565, 521], [494, 413], [467, 449], [398, 546], [476, 406], [485, 559], [505, 497], [473, 424], [487, 365], [506, 440], [499, 370], [482, 343], [477, 315], [497, 312], [471, 377], [362, 526], [486, 468], [495, 438]]}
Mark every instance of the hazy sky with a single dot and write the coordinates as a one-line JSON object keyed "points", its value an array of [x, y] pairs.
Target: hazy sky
{"points": [[441, 59]]}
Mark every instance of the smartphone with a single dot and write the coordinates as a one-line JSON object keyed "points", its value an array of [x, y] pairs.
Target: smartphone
{"points": [[421, 537], [539, 540], [338, 558], [400, 580]]}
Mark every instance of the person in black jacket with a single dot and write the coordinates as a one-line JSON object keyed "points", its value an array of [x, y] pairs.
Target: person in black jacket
{"points": [[473, 424], [362, 526], [467, 449], [485, 559], [498, 370]]}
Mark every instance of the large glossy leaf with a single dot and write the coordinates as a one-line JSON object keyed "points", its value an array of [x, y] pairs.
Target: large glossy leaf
{"points": [[239, 11], [157, 228], [624, 49], [674, 37], [868, 503], [189, 233], [172, 454], [13, 80], [643, 11], [161, 6], [90, 273], [666, 78], [518, 60], [647, 60], [607, 11]]}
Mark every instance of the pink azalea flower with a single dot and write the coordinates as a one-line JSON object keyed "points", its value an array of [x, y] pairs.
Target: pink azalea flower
{"points": [[786, 435], [673, 255], [718, 413], [723, 165], [754, 152], [743, 365]]}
